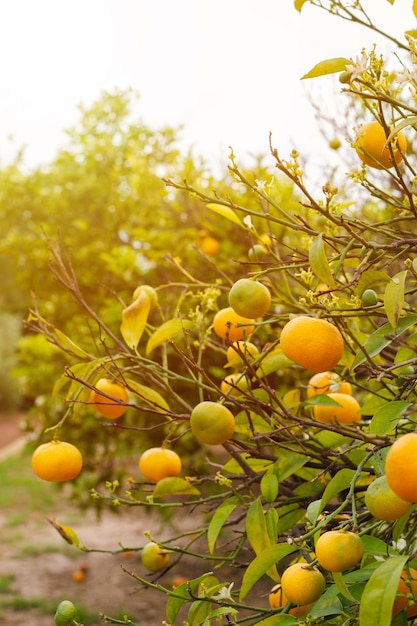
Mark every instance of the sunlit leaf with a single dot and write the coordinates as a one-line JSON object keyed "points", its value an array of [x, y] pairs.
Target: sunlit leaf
{"points": [[262, 563], [415, 7], [298, 4], [174, 486], [168, 330], [394, 298], [148, 395], [69, 345], [66, 532], [226, 212], [220, 516], [386, 418], [319, 263], [378, 597], [134, 319], [408, 121], [329, 66], [273, 362]]}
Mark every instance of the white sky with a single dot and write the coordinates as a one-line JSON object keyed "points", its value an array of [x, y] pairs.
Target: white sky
{"points": [[228, 70]]}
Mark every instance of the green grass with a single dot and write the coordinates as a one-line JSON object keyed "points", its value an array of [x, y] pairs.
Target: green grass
{"points": [[22, 492]]}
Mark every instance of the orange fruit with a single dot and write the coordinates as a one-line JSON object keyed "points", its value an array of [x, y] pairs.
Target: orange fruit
{"points": [[407, 593], [347, 413], [327, 382], [78, 576], [313, 343], [209, 245], [240, 352], [339, 550], [57, 461], [234, 384], [302, 584], [382, 502], [158, 463], [111, 405], [249, 298], [154, 557], [178, 580], [277, 600], [227, 324], [212, 423], [401, 467], [371, 146]]}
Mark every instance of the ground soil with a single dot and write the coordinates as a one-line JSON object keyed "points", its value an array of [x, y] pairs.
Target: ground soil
{"points": [[40, 566]]}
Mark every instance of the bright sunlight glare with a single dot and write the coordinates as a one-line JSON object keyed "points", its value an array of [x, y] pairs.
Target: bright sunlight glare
{"points": [[227, 71]]}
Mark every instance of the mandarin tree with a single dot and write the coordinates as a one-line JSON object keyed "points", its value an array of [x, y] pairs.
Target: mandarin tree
{"points": [[274, 478]]}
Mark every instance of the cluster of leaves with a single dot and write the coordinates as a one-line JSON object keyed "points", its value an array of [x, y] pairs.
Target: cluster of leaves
{"points": [[265, 497]]}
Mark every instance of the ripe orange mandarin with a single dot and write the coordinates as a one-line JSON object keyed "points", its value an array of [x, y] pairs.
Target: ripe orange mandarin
{"points": [[371, 146], [327, 382], [158, 463], [407, 593], [57, 461], [313, 343], [227, 324], [401, 467], [112, 404], [347, 412]]}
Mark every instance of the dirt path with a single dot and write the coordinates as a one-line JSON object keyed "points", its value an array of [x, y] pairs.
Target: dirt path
{"points": [[37, 567]]}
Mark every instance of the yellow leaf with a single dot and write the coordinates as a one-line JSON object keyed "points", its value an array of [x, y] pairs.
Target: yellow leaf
{"points": [[225, 211], [148, 395], [415, 7], [330, 66], [134, 319], [168, 330], [319, 263], [394, 298]]}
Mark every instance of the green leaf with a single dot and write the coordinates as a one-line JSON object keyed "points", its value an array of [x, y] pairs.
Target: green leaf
{"points": [[289, 463], [271, 519], [394, 298], [174, 486], [382, 337], [378, 597], [167, 330], [256, 530], [318, 261], [370, 279], [148, 395], [262, 563], [134, 318], [321, 399], [376, 547], [386, 417], [338, 483], [329, 66], [221, 515], [69, 345], [269, 486], [175, 603], [225, 211], [273, 362]]}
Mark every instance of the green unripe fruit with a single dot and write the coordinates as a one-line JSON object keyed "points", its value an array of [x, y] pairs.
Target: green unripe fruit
{"points": [[335, 143], [369, 298], [344, 77], [257, 252], [65, 613]]}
